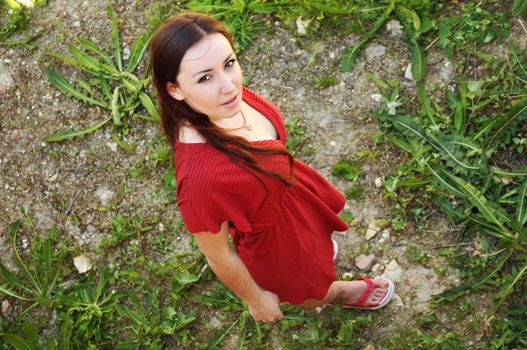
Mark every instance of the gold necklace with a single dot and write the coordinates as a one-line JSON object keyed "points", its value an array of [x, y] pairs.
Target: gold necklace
{"points": [[244, 126]]}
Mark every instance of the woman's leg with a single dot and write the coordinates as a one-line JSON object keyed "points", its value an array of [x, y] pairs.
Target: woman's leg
{"points": [[348, 292]]}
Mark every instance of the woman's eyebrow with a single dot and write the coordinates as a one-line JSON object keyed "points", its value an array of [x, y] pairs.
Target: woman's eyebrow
{"points": [[209, 70]]}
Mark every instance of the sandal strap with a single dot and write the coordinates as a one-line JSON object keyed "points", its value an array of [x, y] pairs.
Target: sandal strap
{"points": [[364, 296]]}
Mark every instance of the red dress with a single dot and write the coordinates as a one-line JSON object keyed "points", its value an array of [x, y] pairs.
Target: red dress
{"points": [[281, 233]]}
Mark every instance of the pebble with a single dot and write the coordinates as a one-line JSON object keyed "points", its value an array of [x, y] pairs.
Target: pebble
{"points": [[371, 231], [5, 306], [364, 262], [377, 98], [393, 271], [126, 53], [112, 146], [15, 135], [378, 182], [6, 81], [384, 236], [394, 27], [408, 72], [105, 195], [25, 243], [374, 51], [82, 264]]}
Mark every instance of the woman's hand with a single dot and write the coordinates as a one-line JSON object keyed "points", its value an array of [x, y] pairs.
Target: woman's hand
{"points": [[267, 309]]}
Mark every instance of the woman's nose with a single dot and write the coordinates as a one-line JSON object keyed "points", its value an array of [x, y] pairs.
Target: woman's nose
{"points": [[227, 85]]}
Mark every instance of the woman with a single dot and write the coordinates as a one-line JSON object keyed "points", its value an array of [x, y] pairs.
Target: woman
{"points": [[235, 176]]}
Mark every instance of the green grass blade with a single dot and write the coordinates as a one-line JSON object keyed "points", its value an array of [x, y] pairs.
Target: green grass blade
{"points": [[456, 292], [450, 154], [444, 183], [507, 288], [37, 287], [407, 12], [116, 115], [146, 101], [521, 208], [92, 46], [67, 59], [351, 54], [63, 85], [418, 60], [18, 342], [519, 8], [70, 134], [138, 50], [8, 291], [88, 62], [425, 101], [125, 311], [518, 112], [115, 38], [31, 335], [479, 201]]}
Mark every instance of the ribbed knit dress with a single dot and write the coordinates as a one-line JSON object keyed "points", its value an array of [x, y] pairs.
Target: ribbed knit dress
{"points": [[281, 233]]}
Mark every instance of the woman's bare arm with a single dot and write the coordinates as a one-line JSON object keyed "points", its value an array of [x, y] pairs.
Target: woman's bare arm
{"points": [[263, 305]]}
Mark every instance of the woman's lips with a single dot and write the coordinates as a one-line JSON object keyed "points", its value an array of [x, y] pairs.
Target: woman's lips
{"points": [[231, 102]]}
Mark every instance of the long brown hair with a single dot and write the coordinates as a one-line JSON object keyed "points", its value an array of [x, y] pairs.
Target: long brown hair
{"points": [[167, 48]]}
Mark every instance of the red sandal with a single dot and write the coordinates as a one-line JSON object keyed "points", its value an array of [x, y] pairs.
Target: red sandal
{"points": [[364, 296]]}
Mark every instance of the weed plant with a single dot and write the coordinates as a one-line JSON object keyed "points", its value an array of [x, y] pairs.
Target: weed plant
{"points": [[113, 85], [14, 17]]}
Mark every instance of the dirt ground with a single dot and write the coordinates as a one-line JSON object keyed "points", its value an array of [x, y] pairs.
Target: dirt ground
{"points": [[67, 184]]}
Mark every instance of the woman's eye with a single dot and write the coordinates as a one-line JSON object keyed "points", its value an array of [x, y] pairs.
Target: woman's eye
{"points": [[230, 63], [204, 78]]}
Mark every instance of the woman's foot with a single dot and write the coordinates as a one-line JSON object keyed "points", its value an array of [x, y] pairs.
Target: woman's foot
{"points": [[353, 293]]}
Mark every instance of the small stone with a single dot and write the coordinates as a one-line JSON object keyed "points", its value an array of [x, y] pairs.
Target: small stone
{"points": [[126, 53], [53, 178], [301, 25], [15, 136], [6, 81], [376, 268], [408, 72], [394, 27], [378, 182], [393, 271], [105, 195], [77, 24], [374, 51], [5, 306], [371, 231], [397, 301], [384, 236], [25, 243], [82, 264], [377, 98], [112, 146], [364, 262]]}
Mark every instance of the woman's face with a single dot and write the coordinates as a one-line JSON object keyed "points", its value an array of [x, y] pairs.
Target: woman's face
{"points": [[210, 78]]}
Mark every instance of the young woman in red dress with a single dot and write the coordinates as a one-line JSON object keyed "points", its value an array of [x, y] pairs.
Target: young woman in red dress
{"points": [[235, 176]]}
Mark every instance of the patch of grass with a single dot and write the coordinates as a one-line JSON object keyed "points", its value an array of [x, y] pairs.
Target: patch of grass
{"points": [[355, 192], [415, 255], [325, 81], [14, 17], [348, 169], [297, 140], [111, 85]]}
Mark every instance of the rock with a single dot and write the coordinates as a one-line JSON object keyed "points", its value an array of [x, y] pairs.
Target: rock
{"points": [[105, 195], [15, 135], [376, 268], [364, 262], [371, 231], [112, 146], [374, 50], [301, 25], [378, 182], [82, 264], [408, 72], [397, 301], [422, 284], [394, 27], [384, 236], [6, 81], [393, 271], [377, 98], [5, 306], [126, 53]]}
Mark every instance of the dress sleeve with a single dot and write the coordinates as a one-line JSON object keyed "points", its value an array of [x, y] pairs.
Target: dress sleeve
{"points": [[205, 207]]}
